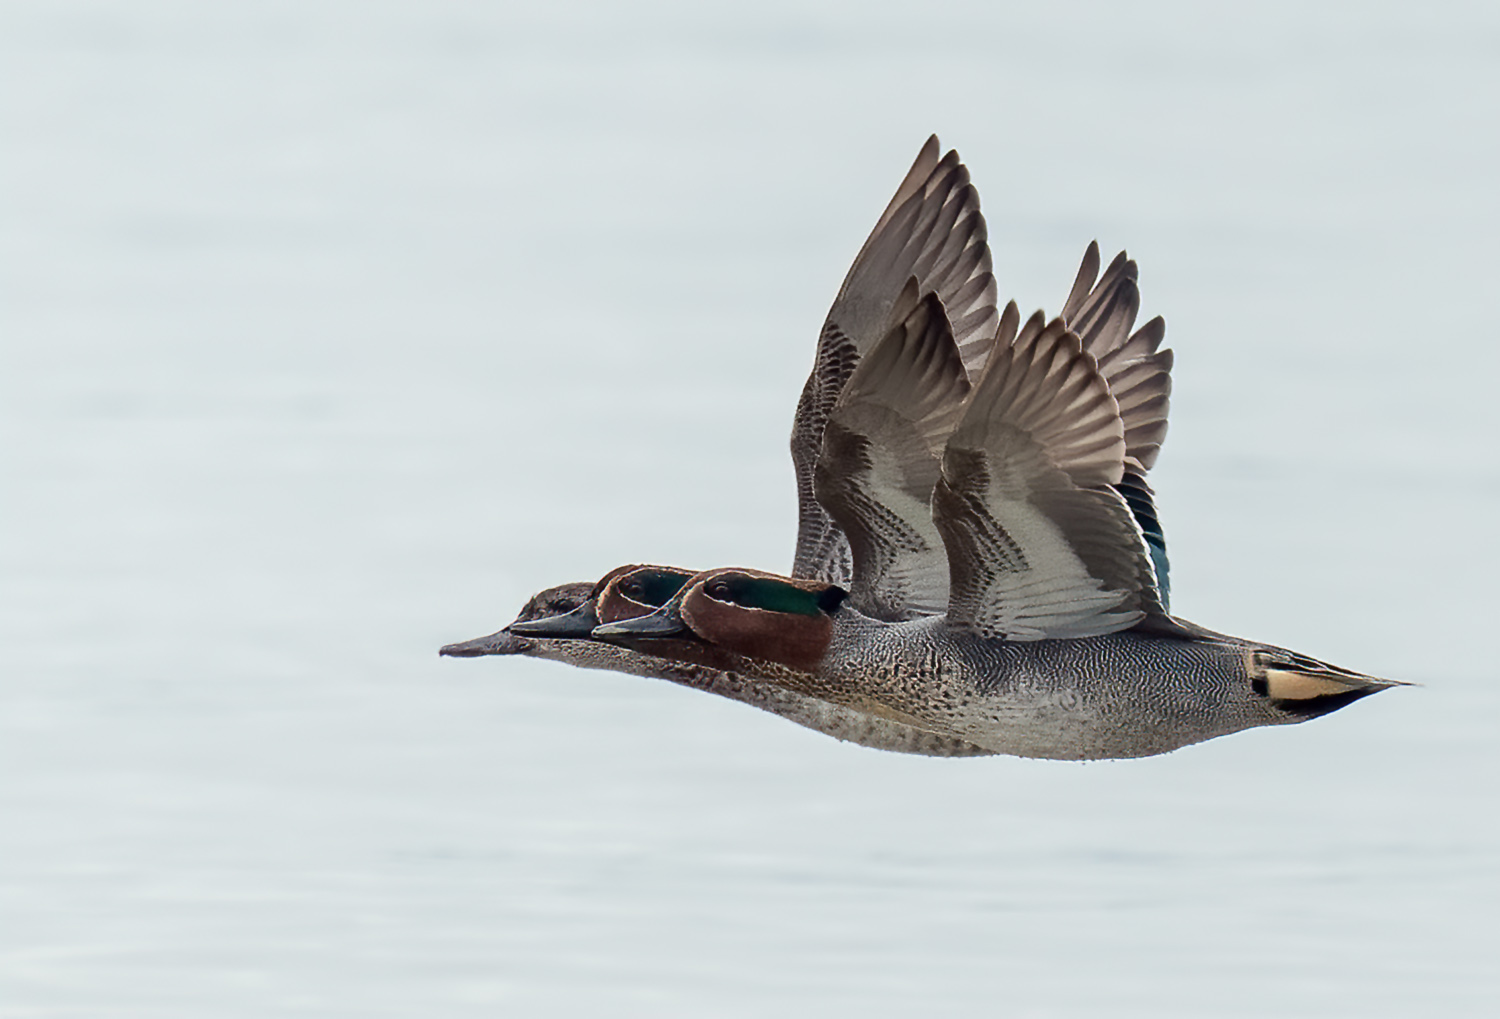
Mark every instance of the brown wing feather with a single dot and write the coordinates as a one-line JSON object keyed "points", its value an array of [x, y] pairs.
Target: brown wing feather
{"points": [[880, 460], [1139, 378], [1039, 542], [1138, 374], [932, 229]]}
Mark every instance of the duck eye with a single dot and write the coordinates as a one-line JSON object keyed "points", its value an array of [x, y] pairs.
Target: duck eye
{"points": [[718, 589]]}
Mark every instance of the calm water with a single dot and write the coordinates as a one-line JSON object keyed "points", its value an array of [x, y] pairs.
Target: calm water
{"points": [[331, 332]]}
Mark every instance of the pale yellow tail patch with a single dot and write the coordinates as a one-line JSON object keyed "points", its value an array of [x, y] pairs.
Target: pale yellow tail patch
{"points": [[1285, 685]]}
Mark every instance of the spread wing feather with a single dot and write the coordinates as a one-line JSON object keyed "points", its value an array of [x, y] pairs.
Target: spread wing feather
{"points": [[932, 229], [879, 461], [1046, 386], [1040, 542], [1138, 374]]}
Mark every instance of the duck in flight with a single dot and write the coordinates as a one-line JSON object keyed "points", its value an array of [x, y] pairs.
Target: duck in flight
{"points": [[980, 567]]}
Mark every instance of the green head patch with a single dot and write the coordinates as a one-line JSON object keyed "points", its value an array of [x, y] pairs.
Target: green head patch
{"points": [[772, 595], [653, 587]]}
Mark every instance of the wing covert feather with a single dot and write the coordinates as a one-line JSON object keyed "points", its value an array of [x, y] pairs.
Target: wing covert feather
{"points": [[1040, 544], [1138, 373], [879, 460], [932, 229]]}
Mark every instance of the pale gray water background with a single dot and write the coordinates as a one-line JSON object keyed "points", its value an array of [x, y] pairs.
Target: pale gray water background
{"points": [[332, 331]]}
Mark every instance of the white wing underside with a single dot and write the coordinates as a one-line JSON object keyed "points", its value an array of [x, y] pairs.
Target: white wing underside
{"points": [[1026, 507], [879, 460], [1039, 542]]}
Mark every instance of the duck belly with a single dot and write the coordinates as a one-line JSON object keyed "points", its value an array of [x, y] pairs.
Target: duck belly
{"points": [[1118, 696]]}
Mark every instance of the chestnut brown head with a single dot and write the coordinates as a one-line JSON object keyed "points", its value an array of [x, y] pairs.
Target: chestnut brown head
{"points": [[632, 591], [759, 615]]}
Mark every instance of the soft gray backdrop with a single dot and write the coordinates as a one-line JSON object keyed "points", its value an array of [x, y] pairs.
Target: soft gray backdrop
{"points": [[332, 331]]}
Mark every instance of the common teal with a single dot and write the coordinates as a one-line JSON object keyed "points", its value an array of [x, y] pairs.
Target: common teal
{"points": [[1056, 640], [933, 422]]}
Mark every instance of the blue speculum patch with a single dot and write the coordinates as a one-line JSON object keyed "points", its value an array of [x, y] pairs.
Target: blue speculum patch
{"points": [[1143, 507]]}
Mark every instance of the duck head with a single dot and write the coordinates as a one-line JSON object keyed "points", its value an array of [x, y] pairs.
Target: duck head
{"points": [[552, 602], [632, 591], [746, 612], [572, 611]]}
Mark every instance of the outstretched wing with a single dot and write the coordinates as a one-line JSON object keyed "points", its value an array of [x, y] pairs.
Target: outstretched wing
{"points": [[932, 230], [1040, 543], [1137, 372], [880, 460], [1139, 378]]}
